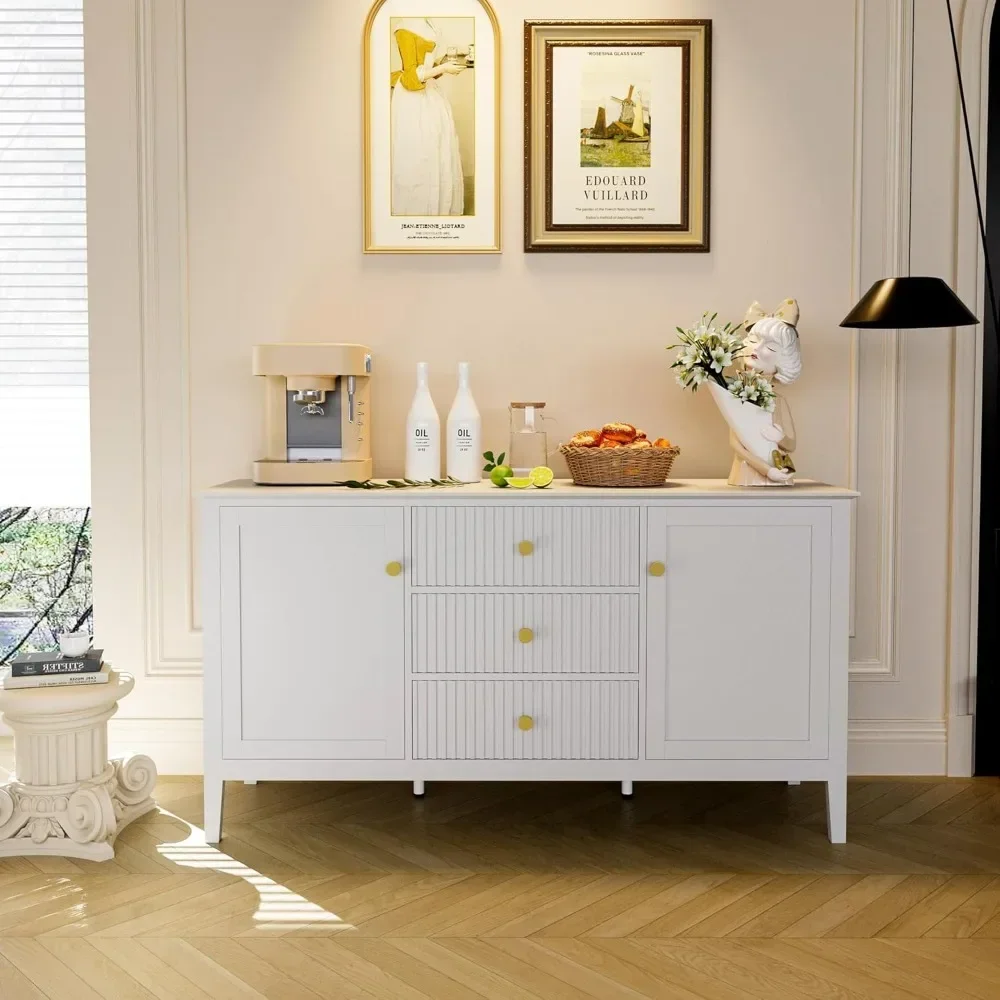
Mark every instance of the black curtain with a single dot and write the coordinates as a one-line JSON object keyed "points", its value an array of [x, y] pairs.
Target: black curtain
{"points": [[988, 682]]}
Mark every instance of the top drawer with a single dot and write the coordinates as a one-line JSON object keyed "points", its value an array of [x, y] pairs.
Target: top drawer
{"points": [[524, 546]]}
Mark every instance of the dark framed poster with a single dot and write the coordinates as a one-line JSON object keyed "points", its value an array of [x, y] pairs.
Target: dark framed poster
{"points": [[617, 135]]}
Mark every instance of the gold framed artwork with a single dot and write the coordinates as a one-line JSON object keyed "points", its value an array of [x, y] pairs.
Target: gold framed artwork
{"points": [[617, 135], [432, 127]]}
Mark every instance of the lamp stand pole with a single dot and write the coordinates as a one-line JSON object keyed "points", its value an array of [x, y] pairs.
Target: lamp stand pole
{"points": [[994, 313]]}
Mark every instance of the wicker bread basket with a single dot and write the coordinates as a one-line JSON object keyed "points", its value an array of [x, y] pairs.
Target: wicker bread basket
{"points": [[625, 467]]}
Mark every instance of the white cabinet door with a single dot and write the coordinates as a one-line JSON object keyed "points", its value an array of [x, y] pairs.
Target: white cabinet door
{"points": [[738, 632], [312, 633]]}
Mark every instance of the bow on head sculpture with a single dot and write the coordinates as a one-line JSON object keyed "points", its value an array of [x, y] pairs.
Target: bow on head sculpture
{"points": [[787, 312]]}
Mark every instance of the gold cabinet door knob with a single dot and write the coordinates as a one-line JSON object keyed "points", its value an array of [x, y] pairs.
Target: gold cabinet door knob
{"points": [[525, 635], [525, 723], [657, 569], [526, 548], [394, 568]]}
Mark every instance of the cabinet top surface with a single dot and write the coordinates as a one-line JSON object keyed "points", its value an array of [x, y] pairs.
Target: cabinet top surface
{"points": [[561, 489]]}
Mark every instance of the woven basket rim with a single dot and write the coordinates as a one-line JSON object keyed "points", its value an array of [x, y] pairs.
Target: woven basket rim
{"points": [[575, 449]]}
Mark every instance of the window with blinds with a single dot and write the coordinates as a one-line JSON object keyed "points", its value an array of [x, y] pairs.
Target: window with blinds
{"points": [[44, 419]]}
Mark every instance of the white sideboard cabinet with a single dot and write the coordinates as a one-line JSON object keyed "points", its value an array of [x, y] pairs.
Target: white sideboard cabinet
{"points": [[694, 632]]}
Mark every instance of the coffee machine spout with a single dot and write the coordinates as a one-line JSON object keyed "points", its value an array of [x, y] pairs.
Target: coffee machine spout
{"points": [[311, 401]]}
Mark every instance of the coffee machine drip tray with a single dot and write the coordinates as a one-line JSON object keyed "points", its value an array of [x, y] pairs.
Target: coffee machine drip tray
{"points": [[315, 454]]}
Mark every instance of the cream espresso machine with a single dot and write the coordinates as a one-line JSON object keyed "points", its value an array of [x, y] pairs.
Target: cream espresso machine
{"points": [[317, 413]]}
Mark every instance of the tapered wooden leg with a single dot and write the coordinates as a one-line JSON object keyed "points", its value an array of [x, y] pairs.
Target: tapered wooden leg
{"points": [[213, 808], [836, 810], [418, 789], [627, 789]]}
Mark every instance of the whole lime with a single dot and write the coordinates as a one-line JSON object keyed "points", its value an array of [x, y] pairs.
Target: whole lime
{"points": [[498, 476]]}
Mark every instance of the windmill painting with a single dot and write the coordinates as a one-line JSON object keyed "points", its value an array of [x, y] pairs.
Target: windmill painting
{"points": [[621, 131], [617, 136]]}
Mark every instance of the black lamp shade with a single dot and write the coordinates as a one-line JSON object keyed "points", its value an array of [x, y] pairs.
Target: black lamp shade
{"points": [[909, 304]]}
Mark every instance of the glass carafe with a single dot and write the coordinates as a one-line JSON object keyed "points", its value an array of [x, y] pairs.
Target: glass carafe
{"points": [[528, 444]]}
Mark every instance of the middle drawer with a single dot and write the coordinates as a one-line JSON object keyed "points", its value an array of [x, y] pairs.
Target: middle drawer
{"points": [[524, 633]]}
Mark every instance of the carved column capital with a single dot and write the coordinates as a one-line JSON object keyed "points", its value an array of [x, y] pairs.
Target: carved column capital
{"points": [[67, 798]]}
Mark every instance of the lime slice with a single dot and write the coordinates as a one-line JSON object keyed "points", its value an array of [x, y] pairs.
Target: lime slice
{"points": [[519, 482], [541, 476]]}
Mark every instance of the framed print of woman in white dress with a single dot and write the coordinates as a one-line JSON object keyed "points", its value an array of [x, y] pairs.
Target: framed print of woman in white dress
{"points": [[432, 127], [427, 172]]}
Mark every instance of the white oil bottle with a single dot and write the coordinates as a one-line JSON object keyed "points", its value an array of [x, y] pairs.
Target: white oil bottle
{"points": [[464, 433], [423, 433]]}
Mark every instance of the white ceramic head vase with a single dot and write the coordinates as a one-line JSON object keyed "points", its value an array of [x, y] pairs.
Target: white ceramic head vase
{"points": [[763, 440]]}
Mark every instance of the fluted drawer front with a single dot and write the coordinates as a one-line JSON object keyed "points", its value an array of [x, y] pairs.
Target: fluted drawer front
{"points": [[470, 633], [525, 720], [515, 546]]}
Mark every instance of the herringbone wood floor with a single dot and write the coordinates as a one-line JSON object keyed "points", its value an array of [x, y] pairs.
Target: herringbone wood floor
{"points": [[534, 892]]}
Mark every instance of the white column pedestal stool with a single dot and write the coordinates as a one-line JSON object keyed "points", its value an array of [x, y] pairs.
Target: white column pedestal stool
{"points": [[65, 797]]}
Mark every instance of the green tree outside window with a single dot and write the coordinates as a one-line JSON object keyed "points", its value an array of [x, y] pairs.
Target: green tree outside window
{"points": [[45, 577]]}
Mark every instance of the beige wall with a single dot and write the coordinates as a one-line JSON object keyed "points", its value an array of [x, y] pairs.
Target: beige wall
{"points": [[246, 217], [274, 179]]}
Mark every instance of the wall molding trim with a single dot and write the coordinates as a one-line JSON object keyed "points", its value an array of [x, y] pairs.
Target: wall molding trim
{"points": [[877, 355], [174, 641], [173, 630], [897, 747], [175, 745], [146, 571]]}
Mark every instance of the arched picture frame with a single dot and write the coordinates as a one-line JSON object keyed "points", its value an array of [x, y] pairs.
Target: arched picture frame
{"points": [[432, 127]]}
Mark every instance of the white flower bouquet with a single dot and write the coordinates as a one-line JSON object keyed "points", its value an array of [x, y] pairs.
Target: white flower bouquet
{"points": [[707, 351]]}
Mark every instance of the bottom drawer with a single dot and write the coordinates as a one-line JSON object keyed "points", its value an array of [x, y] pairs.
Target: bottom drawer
{"points": [[525, 720]]}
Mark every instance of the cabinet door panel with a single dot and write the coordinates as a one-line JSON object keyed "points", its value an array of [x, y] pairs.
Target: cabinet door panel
{"points": [[312, 632], [738, 632]]}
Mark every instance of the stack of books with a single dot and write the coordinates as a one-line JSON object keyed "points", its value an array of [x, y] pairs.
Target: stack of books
{"points": [[34, 670]]}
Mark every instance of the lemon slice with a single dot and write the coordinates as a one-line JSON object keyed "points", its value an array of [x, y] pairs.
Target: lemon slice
{"points": [[541, 476], [519, 482]]}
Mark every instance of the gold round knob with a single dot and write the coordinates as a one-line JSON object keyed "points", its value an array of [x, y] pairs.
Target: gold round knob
{"points": [[525, 722], [526, 548], [657, 569], [525, 635], [394, 568]]}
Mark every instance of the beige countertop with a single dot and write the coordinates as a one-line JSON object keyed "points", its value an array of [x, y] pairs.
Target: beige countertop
{"points": [[560, 489]]}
